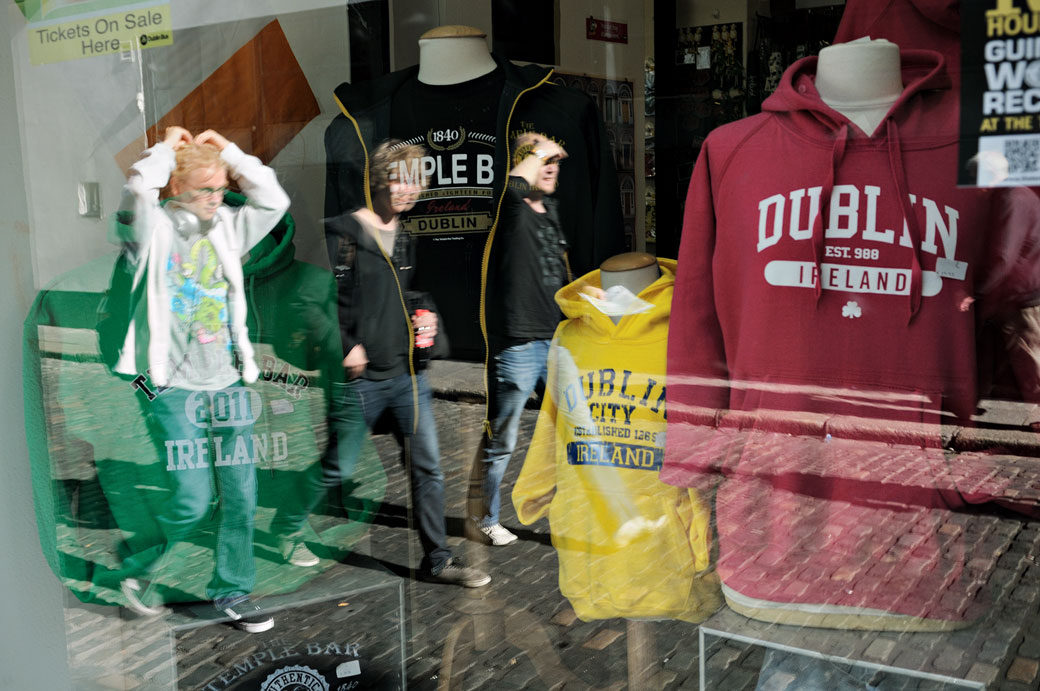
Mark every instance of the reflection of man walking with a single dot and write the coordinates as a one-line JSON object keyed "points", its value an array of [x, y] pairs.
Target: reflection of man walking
{"points": [[189, 335], [374, 263], [531, 265]]}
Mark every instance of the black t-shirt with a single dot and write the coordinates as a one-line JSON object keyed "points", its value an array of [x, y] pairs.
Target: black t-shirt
{"points": [[450, 223], [530, 265]]}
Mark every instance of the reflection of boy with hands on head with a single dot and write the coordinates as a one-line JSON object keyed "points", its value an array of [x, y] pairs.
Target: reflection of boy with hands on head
{"points": [[189, 333], [194, 184]]}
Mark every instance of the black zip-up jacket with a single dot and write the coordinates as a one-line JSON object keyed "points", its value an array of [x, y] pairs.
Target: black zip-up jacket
{"points": [[588, 197], [371, 295]]}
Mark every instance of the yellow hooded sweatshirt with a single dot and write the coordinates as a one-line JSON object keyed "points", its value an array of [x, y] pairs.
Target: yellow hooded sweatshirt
{"points": [[628, 544]]}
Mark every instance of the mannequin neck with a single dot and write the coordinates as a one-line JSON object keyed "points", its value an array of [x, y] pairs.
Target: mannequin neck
{"points": [[632, 270], [861, 80], [452, 55]]}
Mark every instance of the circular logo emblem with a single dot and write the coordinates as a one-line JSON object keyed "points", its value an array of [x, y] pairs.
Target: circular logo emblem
{"points": [[295, 678], [144, 39]]}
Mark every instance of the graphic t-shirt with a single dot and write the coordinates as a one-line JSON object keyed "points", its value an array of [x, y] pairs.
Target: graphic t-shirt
{"points": [[201, 355], [451, 221], [529, 267]]}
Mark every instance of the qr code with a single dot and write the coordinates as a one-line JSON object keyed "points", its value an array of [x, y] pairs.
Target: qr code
{"points": [[1023, 155]]}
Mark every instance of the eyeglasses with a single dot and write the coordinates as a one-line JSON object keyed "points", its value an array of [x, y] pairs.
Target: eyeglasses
{"points": [[205, 192]]}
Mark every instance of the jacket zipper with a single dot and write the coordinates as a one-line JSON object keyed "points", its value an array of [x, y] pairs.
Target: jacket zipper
{"points": [[487, 253], [361, 139], [393, 271], [411, 332]]}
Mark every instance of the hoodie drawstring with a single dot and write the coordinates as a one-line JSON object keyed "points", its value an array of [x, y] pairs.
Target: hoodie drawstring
{"points": [[818, 240], [895, 161], [913, 229]]}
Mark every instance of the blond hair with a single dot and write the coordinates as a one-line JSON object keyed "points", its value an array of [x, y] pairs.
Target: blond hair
{"points": [[385, 158], [191, 157]]}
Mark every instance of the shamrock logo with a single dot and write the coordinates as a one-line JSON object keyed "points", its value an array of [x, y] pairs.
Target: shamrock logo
{"points": [[852, 310]]}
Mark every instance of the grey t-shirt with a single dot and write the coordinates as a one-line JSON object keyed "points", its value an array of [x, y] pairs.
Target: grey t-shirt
{"points": [[201, 349]]}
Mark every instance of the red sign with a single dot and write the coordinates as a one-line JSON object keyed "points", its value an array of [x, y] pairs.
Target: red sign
{"points": [[603, 30]]}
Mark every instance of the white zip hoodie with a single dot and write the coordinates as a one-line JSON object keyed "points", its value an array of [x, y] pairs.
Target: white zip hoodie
{"points": [[233, 233]]}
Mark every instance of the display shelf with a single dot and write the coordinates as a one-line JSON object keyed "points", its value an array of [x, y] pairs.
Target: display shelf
{"points": [[732, 646]]}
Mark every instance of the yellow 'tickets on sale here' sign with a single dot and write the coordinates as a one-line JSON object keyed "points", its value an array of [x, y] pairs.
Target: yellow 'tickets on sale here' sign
{"points": [[99, 35]]}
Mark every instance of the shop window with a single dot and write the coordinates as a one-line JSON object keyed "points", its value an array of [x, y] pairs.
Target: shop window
{"points": [[610, 109], [625, 102]]}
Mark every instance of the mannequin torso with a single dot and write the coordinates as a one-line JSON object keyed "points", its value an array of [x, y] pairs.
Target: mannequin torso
{"points": [[861, 80]]}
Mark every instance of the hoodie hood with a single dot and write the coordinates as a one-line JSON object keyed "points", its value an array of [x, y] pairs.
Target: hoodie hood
{"points": [[945, 13], [924, 78], [915, 121], [272, 254], [908, 23], [630, 326]]}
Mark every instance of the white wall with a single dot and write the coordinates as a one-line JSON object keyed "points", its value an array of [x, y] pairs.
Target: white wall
{"points": [[466, 12], [32, 631]]}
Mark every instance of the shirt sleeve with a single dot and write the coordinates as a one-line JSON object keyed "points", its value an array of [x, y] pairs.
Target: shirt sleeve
{"points": [[141, 197], [342, 249], [266, 201]]}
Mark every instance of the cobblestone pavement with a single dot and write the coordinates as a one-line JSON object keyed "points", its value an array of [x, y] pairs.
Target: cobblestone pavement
{"points": [[519, 632]]}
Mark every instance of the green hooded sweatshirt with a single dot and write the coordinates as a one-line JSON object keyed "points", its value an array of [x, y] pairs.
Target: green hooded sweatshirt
{"points": [[98, 478]]}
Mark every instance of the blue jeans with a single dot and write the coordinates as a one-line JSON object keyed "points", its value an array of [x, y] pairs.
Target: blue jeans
{"points": [[347, 434], [204, 440], [517, 371], [421, 454]]}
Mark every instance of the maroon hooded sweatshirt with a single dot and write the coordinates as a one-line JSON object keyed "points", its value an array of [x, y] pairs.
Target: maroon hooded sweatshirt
{"points": [[927, 24], [822, 329]]}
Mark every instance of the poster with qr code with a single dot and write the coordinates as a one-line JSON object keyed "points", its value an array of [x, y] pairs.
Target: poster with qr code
{"points": [[1011, 160], [1000, 93]]}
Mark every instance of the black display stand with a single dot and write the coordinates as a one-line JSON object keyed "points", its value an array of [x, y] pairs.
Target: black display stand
{"points": [[342, 631]]}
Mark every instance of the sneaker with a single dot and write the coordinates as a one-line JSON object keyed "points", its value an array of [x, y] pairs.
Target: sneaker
{"points": [[498, 534], [135, 592], [297, 553], [454, 573], [247, 616]]}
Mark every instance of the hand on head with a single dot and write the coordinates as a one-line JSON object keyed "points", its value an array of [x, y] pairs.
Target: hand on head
{"points": [[176, 137], [547, 150], [212, 138]]}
